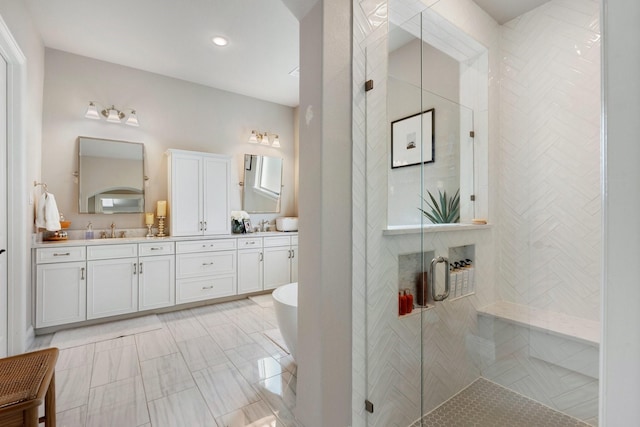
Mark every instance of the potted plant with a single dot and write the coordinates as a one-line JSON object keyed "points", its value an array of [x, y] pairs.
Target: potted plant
{"points": [[444, 210]]}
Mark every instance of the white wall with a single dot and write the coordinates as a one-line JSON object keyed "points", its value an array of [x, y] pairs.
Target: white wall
{"points": [[324, 295], [620, 348], [172, 114], [17, 17]]}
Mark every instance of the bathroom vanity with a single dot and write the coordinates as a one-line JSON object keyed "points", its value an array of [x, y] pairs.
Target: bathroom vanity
{"points": [[81, 280]]}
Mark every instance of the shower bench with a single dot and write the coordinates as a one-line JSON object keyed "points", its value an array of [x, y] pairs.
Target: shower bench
{"points": [[567, 341]]}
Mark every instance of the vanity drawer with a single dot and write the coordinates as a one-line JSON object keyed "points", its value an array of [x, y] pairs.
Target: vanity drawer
{"points": [[294, 240], [277, 241], [202, 264], [202, 288], [160, 248], [205, 245], [64, 254], [247, 243], [112, 251]]}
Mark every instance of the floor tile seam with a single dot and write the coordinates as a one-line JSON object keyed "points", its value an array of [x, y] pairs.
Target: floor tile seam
{"points": [[144, 388]]}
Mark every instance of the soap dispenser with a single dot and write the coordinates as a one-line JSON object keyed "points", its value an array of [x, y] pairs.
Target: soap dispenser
{"points": [[88, 234]]}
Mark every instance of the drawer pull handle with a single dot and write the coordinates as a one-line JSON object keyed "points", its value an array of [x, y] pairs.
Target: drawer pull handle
{"points": [[207, 287], [261, 256], [205, 226], [250, 243], [135, 268], [207, 263], [156, 249], [64, 254], [289, 254], [82, 273], [140, 268], [293, 253]]}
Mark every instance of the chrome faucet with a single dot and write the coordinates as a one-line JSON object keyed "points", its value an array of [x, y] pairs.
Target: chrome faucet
{"points": [[262, 224], [113, 230]]}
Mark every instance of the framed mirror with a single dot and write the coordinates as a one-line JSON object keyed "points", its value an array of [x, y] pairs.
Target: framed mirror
{"points": [[262, 184], [110, 175]]}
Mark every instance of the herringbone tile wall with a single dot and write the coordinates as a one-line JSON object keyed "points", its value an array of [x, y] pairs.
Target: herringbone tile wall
{"points": [[550, 213], [543, 250]]}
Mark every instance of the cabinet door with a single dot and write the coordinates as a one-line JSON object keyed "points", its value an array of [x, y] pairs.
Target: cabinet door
{"points": [[216, 196], [249, 270], [294, 263], [112, 287], [277, 265], [186, 195], [61, 293], [156, 281]]}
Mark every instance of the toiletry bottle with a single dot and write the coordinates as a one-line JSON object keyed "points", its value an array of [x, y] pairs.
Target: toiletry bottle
{"points": [[472, 276], [455, 284], [465, 277], [401, 304], [422, 289], [409, 300], [89, 233]]}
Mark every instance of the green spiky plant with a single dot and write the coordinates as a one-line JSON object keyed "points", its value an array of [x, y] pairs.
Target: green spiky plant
{"points": [[444, 210]]}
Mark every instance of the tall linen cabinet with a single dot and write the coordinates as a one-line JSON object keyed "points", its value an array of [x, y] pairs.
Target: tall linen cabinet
{"points": [[198, 193]]}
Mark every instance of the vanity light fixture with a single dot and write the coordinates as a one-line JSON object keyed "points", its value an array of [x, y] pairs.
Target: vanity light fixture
{"points": [[92, 112], [112, 114], [262, 138], [276, 142], [253, 139]]}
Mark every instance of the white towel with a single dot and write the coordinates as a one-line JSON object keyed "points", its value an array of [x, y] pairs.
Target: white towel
{"points": [[47, 215]]}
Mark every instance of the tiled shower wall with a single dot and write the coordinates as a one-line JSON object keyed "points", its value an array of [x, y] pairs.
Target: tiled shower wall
{"points": [[550, 213], [389, 353], [543, 196]]}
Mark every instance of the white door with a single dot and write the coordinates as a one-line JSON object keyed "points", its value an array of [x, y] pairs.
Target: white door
{"points": [[277, 266], [112, 287], [216, 187], [249, 270], [3, 208], [157, 282], [186, 195]]}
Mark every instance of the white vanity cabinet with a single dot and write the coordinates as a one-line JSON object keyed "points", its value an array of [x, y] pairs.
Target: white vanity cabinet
{"points": [[278, 258], [205, 269], [61, 286], [294, 258], [112, 280], [156, 275], [198, 193], [250, 270]]}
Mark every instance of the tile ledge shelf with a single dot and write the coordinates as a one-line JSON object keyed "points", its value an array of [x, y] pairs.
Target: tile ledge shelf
{"points": [[393, 230], [559, 324]]}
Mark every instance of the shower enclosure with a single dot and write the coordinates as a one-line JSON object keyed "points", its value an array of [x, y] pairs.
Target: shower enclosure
{"points": [[498, 123]]}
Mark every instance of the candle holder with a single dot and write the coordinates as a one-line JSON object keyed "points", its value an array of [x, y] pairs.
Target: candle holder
{"points": [[149, 233], [161, 227]]}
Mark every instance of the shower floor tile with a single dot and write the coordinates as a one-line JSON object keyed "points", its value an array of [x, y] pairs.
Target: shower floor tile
{"points": [[486, 404]]}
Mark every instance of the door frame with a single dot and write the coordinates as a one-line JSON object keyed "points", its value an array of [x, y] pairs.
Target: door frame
{"points": [[17, 202]]}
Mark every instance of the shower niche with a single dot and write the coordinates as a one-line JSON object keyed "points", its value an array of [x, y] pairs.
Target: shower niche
{"points": [[462, 271], [413, 276]]}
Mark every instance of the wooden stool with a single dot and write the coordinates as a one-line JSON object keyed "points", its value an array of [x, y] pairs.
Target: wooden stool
{"points": [[25, 380]]}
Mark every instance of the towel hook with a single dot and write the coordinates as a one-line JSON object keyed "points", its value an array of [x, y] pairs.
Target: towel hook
{"points": [[44, 186]]}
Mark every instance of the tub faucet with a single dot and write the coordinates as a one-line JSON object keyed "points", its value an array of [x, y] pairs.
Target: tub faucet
{"points": [[113, 230]]}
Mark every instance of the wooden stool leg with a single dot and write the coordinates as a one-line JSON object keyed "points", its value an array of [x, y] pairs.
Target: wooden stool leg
{"points": [[50, 403], [31, 417]]}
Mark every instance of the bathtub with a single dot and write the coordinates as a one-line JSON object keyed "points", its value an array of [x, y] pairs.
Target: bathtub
{"points": [[285, 302]]}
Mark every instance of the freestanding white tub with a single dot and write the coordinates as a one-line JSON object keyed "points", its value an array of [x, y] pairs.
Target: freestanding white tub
{"points": [[285, 302]]}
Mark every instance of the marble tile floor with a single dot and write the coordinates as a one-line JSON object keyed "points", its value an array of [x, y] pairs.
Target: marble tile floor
{"points": [[220, 365]]}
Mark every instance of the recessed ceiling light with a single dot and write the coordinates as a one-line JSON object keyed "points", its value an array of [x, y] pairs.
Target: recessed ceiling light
{"points": [[220, 41]]}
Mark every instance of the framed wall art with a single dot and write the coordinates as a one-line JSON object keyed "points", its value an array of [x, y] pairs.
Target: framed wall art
{"points": [[406, 142]]}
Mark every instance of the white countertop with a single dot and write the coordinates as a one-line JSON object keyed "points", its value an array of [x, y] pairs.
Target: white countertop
{"points": [[124, 240]]}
